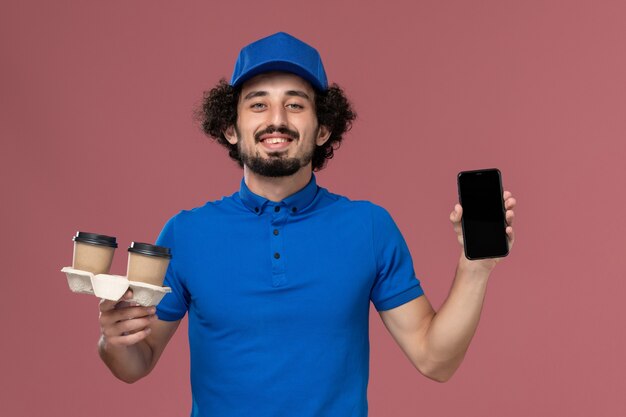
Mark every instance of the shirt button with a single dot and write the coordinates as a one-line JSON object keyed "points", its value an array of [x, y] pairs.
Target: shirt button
{"points": [[277, 255], [293, 210], [275, 232], [276, 209], [256, 209]]}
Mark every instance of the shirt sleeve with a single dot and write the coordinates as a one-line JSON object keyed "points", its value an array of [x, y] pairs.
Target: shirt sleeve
{"points": [[174, 305], [395, 282]]}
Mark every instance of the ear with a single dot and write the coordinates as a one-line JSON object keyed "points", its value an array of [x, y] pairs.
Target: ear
{"points": [[230, 135], [322, 135]]}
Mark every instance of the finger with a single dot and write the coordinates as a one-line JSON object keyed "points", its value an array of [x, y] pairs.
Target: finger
{"points": [[510, 236], [110, 317], [128, 326], [507, 194], [510, 203], [510, 217], [130, 339], [130, 313]]}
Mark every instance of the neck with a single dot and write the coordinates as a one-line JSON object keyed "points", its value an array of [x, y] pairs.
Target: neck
{"points": [[277, 188]]}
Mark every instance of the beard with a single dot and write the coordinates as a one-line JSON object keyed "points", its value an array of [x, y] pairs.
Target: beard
{"points": [[276, 164]]}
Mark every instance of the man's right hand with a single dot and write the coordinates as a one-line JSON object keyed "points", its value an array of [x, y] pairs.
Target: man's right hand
{"points": [[123, 323], [132, 337]]}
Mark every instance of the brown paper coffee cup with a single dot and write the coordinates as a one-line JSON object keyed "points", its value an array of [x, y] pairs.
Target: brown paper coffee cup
{"points": [[148, 263], [93, 252]]}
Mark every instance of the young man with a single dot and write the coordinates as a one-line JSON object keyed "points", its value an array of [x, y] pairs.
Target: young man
{"points": [[277, 278]]}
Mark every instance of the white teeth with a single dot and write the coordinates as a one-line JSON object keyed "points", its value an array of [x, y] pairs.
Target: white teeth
{"points": [[276, 140]]}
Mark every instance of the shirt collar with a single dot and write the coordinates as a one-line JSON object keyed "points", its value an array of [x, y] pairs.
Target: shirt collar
{"points": [[295, 203]]}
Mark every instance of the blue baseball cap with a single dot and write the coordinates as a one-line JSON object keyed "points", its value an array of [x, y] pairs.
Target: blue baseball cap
{"points": [[280, 52]]}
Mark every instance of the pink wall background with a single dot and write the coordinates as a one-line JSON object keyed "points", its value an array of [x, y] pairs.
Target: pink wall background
{"points": [[97, 134]]}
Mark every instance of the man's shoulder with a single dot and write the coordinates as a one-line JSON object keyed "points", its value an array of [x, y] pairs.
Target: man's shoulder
{"points": [[366, 207], [206, 211]]}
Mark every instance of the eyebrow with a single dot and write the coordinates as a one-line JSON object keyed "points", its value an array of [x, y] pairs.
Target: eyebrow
{"points": [[260, 93], [298, 93]]}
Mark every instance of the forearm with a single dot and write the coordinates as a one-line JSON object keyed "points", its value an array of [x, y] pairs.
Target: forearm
{"points": [[454, 325], [128, 363]]}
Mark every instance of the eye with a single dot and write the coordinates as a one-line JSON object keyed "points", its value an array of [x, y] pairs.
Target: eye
{"points": [[257, 106], [295, 106]]}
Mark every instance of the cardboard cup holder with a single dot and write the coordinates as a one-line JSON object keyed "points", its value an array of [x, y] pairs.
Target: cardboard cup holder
{"points": [[113, 287]]}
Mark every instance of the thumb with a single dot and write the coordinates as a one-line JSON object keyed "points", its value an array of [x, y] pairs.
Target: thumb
{"points": [[106, 305], [456, 214]]}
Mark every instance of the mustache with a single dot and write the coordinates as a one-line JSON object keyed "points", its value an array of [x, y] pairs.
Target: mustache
{"points": [[272, 129]]}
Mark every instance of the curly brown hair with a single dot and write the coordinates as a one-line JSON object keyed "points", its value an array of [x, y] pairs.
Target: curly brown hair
{"points": [[218, 111]]}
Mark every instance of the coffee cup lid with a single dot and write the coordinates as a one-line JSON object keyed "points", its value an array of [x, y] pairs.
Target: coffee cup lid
{"points": [[150, 250], [95, 239]]}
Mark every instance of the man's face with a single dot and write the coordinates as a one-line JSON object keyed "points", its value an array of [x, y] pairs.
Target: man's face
{"points": [[277, 129]]}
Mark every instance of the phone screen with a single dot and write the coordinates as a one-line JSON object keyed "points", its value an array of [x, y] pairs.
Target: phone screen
{"points": [[483, 221]]}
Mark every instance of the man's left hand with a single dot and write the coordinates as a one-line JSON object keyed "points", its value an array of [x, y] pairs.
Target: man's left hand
{"points": [[509, 205]]}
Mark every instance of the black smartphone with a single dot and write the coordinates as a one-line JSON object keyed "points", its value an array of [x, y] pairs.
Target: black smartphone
{"points": [[483, 220]]}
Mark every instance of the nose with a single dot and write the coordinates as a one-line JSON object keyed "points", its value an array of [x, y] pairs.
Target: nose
{"points": [[278, 116]]}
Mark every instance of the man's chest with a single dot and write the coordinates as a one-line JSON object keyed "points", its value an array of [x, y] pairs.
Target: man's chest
{"points": [[262, 273]]}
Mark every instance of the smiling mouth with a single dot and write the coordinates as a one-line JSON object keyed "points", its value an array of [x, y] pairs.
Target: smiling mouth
{"points": [[276, 143], [273, 135], [274, 140]]}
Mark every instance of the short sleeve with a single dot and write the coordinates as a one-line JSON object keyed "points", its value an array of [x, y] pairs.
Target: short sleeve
{"points": [[395, 282], [174, 305]]}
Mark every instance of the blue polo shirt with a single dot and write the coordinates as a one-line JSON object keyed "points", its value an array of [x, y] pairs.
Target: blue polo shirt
{"points": [[278, 300]]}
